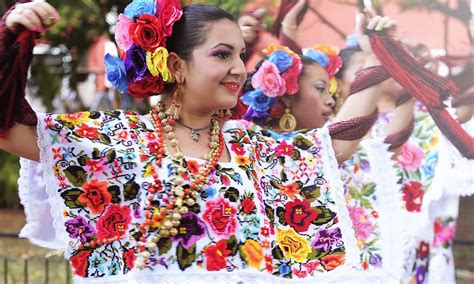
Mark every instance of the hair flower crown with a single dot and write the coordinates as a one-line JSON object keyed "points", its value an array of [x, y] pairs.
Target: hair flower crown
{"points": [[275, 76], [141, 32], [326, 55]]}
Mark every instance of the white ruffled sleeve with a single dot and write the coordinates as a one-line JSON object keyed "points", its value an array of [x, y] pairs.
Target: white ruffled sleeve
{"points": [[39, 228]]}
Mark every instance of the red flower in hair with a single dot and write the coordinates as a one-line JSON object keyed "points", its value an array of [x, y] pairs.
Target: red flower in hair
{"points": [[335, 63], [146, 32], [291, 76], [170, 12], [148, 86]]}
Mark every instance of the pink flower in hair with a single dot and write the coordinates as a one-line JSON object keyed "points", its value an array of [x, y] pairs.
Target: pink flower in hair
{"points": [[122, 35], [169, 12], [268, 79]]}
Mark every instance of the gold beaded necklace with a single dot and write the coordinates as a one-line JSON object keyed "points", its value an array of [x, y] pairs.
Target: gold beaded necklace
{"points": [[167, 219]]}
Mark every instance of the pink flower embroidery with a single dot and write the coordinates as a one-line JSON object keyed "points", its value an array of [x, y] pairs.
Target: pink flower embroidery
{"points": [[220, 216], [361, 222], [284, 149], [410, 157]]}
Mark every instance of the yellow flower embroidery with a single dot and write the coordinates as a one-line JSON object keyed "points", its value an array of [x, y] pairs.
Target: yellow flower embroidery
{"points": [[293, 245], [75, 118], [149, 171], [253, 253], [157, 64], [242, 160]]}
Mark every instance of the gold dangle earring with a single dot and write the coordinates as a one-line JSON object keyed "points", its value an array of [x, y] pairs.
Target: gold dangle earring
{"points": [[287, 121], [174, 110]]}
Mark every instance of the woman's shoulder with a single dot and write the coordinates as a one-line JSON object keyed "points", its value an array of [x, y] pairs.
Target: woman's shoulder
{"points": [[93, 125]]}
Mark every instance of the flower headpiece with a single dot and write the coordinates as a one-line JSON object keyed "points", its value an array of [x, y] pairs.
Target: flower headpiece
{"points": [[276, 76], [326, 55], [142, 32]]}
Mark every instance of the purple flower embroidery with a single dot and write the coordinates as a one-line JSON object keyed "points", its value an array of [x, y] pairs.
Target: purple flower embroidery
{"points": [[324, 239], [420, 275], [190, 230], [365, 165], [79, 228], [375, 260]]}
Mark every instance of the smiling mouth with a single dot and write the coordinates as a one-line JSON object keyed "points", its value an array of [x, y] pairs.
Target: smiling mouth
{"points": [[233, 87]]}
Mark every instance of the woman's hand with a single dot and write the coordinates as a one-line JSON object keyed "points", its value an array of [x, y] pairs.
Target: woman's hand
{"points": [[35, 16], [289, 24], [251, 25], [370, 21]]}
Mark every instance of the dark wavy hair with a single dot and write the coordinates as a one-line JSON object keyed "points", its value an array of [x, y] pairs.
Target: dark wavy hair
{"points": [[190, 31]]}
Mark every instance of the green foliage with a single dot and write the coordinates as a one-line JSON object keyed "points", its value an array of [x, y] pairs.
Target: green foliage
{"points": [[9, 172]]}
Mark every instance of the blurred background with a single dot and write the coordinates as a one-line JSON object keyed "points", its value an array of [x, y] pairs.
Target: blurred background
{"points": [[67, 75]]}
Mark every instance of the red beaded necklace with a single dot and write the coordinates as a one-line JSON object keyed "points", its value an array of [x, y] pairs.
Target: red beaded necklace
{"points": [[166, 220]]}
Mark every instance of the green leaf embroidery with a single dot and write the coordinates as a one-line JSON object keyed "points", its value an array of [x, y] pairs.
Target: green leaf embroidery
{"points": [[325, 215], [76, 175], [164, 245], [233, 245], [232, 194], [186, 257], [114, 190], [311, 193], [368, 189], [70, 198], [130, 190]]}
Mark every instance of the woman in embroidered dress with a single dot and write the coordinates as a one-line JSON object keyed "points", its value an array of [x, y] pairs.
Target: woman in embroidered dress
{"points": [[371, 191], [177, 195]]}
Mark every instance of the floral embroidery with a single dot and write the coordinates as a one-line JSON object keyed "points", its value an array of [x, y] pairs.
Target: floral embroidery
{"points": [[293, 245], [444, 231], [190, 230], [299, 215], [114, 222], [220, 216], [79, 228], [413, 196], [361, 196], [216, 256], [95, 196], [253, 253], [243, 218]]}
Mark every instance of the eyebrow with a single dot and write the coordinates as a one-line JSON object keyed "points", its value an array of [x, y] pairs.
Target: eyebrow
{"points": [[228, 46], [321, 81]]}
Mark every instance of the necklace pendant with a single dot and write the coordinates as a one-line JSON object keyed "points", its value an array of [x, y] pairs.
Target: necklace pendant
{"points": [[194, 134]]}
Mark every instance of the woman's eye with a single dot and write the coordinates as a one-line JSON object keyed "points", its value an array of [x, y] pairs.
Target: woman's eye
{"points": [[243, 55], [223, 54], [320, 89]]}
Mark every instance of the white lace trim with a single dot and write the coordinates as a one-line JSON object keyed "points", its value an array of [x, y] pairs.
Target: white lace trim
{"points": [[392, 221], [32, 191], [331, 168], [224, 278], [54, 200]]}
